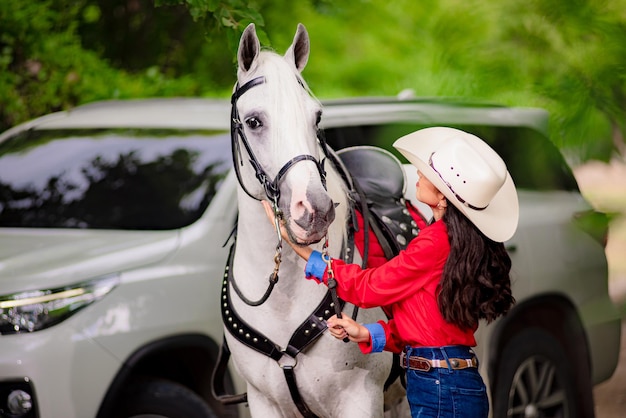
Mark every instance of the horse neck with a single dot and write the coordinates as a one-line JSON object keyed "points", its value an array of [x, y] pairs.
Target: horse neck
{"points": [[256, 248]]}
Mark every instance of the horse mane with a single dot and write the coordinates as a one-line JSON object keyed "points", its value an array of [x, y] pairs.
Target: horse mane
{"points": [[338, 232]]}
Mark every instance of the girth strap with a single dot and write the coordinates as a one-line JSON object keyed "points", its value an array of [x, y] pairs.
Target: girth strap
{"points": [[290, 377], [217, 379]]}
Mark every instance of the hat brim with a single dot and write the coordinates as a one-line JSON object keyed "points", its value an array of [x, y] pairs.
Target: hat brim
{"points": [[498, 221]]}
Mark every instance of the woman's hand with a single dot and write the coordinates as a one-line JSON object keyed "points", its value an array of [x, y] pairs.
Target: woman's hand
{"points": [[347, 327], [302, 251], [269, 211]]}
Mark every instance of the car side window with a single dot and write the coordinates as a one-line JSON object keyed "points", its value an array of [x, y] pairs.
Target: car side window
{"points": [[532, 159], [110, 179]]}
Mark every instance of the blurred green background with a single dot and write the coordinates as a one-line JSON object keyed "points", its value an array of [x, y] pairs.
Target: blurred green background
{"points": [[567, 56]]}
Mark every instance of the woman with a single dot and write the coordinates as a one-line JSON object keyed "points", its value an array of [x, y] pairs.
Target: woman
{"points": [[454, 273]]}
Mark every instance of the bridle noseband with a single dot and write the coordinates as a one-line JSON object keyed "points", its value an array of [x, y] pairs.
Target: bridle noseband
{"points": [[271, 187]]}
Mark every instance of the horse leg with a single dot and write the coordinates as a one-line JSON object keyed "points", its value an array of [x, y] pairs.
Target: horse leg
{"points": [[396, 403], [260, 405], [363, 403], [358, 404]]}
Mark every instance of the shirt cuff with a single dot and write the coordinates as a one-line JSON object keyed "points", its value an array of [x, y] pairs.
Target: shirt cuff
{"points": [[377, 339], [315, 267]]}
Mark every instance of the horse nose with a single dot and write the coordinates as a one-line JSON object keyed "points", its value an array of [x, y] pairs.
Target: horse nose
{"points": [[315, 213]]}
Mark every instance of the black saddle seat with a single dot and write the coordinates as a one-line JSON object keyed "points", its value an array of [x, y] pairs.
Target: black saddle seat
{"points": [[380, 177]]}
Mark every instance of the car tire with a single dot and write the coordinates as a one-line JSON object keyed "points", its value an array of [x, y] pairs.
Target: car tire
{"points": [[164, 399], [534, 379]]}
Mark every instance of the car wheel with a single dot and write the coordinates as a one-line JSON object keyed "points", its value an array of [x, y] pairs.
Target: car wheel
{"points": [[159, 398], [534, 379]]}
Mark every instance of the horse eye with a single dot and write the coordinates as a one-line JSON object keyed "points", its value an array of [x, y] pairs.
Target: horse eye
{"points": [[254, 123]]}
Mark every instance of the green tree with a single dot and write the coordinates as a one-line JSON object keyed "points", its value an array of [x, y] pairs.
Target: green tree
{"points": [[567, 56], [571, 56], [44, 66], [232, 16]]}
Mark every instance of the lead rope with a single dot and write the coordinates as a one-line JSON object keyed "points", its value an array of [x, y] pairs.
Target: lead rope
{"points": [[332, 282]]}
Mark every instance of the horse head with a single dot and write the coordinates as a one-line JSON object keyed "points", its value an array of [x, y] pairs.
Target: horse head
{"points": [[276, 150]]}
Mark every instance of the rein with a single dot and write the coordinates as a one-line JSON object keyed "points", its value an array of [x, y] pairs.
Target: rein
{"points": [[273, 279]]}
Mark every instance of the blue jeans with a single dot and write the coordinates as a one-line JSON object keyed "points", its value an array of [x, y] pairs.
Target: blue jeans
{"points": [[443, 392]]}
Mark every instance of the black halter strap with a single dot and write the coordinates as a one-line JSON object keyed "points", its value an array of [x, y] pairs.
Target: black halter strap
{"points": [[271, 187]]}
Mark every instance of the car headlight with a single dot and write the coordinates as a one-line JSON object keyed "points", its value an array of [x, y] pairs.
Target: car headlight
{"points": [[35, 310]]}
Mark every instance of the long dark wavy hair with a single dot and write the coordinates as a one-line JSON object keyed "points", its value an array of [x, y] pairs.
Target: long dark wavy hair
{"points": [[476, 283]]}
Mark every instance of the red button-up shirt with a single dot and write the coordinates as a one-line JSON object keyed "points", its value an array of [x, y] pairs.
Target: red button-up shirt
{"points": [[407, 286]]}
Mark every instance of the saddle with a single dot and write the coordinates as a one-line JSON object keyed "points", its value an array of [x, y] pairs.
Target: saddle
{"points": [[379, 184]]}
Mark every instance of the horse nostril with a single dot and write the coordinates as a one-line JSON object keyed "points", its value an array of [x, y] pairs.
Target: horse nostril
{"points": [[306, 219], [314, 215]]}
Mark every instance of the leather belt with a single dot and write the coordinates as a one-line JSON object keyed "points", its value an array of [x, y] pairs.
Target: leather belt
{"points": [[425, 365]]}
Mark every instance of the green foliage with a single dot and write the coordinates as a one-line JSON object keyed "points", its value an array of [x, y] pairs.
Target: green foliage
{"points": [[44, 68], [574, 60], [232, 16], [568, 56]]}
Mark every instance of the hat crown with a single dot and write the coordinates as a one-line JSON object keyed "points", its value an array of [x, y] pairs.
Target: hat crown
{"points": [[469, 173], [473, 175]]}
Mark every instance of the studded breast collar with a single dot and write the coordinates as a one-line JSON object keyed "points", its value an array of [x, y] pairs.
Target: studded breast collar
{"points": [[306, 333]]}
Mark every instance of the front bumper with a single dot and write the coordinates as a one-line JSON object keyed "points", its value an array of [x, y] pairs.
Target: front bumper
{"points": [[52, 366]]}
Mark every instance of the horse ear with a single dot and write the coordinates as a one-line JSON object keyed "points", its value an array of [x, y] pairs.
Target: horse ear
{"points": [[249, 48], [299, 50]]}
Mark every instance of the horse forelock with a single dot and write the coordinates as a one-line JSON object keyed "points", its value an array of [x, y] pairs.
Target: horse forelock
{"points": [[286, 98]]}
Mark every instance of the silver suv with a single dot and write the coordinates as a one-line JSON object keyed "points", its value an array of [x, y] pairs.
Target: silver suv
{"points": [[113, 220]]}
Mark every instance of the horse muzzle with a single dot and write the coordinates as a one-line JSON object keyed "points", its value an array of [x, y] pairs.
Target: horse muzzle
{"points": [[312, 224]]}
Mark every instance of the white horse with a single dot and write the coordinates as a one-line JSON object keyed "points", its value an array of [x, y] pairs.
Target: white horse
{"points": [[278, 157]]}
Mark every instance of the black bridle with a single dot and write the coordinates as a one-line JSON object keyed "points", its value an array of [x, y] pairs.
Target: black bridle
{"points": [[271, 187], [311, 329]]}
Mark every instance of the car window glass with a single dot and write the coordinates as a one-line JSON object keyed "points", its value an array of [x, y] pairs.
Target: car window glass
{"points": [[533, 161], [110, 179]]}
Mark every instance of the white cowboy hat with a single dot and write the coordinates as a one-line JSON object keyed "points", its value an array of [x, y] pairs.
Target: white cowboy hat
{"points": [[469, 173]]}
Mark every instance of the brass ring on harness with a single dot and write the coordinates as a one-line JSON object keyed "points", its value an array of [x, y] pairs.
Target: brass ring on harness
{"points": [[289, 366]]}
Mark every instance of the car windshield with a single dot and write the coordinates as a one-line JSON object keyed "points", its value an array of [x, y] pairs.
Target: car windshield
{"points": [[133, 179], [533, 161]]}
